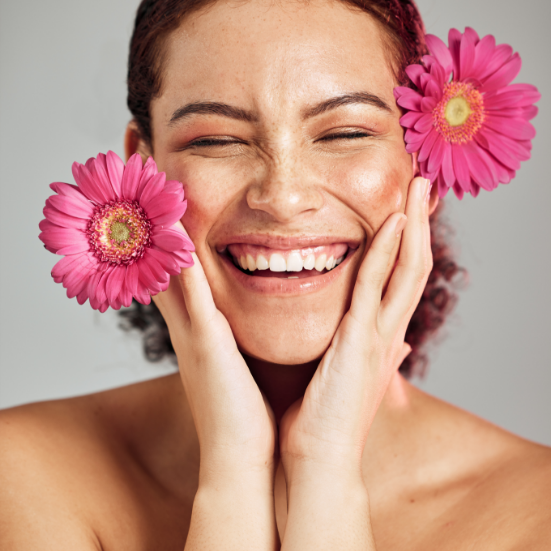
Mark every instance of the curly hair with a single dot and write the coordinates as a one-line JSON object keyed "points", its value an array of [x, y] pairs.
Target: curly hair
{"points": [[402, 24]]}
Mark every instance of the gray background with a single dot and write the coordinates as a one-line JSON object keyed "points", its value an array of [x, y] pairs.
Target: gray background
{"points": [[62, 91]]}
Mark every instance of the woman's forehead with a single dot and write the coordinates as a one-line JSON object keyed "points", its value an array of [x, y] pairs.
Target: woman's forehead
{"points": [[276, 54]]}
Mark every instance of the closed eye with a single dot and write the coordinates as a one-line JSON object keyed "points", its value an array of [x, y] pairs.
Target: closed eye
{"points": [[210, 142], [346, 136]]}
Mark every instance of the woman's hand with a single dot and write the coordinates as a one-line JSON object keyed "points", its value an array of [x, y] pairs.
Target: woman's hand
{"points": [[322, 437], [233, 507]]}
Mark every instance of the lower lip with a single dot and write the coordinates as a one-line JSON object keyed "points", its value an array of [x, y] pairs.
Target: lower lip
{"points": [[281, 286]]}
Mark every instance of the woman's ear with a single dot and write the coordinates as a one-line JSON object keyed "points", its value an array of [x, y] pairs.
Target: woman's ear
{"points": [[133, 143]]}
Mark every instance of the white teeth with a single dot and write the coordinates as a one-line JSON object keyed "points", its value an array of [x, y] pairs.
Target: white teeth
{"points": [[339, 260], [251, 264], [294, 262], [330, 263], [261, 263], [310, 262], [243, 262], [321, 261], [277, 263]]}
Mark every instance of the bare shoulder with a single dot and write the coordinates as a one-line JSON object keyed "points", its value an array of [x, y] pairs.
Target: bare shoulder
{"points": [[69, 476], [504, 502]]}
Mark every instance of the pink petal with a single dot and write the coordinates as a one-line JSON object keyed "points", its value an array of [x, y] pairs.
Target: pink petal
{"points": [[436, 157], [475, 189], [115, 170], [503, 76], [461, 167], [428, 104], [153, 188], [75, 282], [480, 170], [454, 41], [167, 260], [64, 266], [101, 286], [131, 177], [62, 237], [410, 118], [87, 184], [125, 295], [142, 294], [483, 54], [447, 166], [173, 186], [409, 100], [148, 171], [161, 204], [439, 75], [80, 208], [185, 260], [92, 287], [427, 146], [132, 273], [147, 278], [156, 269], [170, 218], [82, 297], [424, 124], [466, 53], [170, 239], [64, 220], [530, 112], [68, 190], [442, 188], [472, 35], [113, 285], [414, 72], [500, 150], [458, 190], [98, 169], [518, 128], [433, 90], [440, 51], [501, 55]]}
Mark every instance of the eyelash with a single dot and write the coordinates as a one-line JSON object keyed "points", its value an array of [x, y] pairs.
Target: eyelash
{"points": [[206, 142]]}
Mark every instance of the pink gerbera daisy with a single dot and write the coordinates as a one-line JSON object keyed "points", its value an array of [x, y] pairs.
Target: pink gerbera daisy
{"points": [[114, 230], [468, 123]]}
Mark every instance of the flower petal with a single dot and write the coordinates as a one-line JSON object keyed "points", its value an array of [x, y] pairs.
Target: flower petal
{"points": [[436, 157], [424, 124], [114, 284], [414, 72], [503, 76], [115, 170], [520, 129], [167, 260], [131, 177], [409, 99], [87, 185], [157, 270], [461, 167], [447, 167], [153, 188], [427, 146], [132, 273], [80, 208], [148, 171], [440, 51], [170, 239], [454, 41]]}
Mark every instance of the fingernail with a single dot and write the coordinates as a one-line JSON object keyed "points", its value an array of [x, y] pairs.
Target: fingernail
{"points": [[425, 188], [400, 225]]}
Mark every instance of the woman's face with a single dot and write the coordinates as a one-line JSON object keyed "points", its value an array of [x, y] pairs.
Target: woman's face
{"points": [[280, 121]]}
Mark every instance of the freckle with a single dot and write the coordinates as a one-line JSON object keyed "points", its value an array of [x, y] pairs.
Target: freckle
{"points": [[412, 501]]}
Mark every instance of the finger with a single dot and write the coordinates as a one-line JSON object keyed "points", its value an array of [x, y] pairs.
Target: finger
{"points": [[414, 260], [196, 290], [374, 270]]}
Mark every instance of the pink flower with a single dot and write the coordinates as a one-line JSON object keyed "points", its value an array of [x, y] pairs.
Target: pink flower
{"points": [[114, 230], [469, 125]]}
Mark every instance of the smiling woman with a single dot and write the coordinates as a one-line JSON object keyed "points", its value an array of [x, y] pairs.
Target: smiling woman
{"points": [[288, 424]]}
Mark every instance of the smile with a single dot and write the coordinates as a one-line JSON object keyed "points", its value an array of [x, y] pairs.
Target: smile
{"points": [[285, 266]]}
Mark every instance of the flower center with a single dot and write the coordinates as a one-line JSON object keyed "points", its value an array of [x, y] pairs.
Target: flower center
{"points": [[460, 113], [119, 232]]}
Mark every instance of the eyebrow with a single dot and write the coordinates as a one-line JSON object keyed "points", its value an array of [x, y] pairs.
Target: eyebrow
{"points": [[229, 111]]}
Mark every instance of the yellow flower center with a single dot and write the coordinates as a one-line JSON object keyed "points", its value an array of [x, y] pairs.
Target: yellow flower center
{"points": [[460, 113], [457, 111], [120, 232]]}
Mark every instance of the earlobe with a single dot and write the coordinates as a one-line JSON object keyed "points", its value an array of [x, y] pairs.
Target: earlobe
{"points": [[133, 143]]}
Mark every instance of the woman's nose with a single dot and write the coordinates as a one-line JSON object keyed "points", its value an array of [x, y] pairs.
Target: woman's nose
{"points": [[285, 191]]}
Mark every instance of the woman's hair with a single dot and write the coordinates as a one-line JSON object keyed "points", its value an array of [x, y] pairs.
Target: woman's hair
{"points": [[402, 24]]}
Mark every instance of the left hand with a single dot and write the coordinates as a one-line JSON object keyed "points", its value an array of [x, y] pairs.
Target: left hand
{"points": [[326, 431]]}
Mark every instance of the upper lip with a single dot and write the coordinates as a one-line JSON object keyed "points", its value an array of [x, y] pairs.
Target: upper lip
{"points": [[285, 242]]}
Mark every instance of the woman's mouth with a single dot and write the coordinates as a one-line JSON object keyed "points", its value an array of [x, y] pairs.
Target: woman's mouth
{"points": [[285, 270]]}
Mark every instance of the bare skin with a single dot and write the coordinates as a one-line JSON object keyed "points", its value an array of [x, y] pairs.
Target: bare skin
{"points": [[364, 460]]}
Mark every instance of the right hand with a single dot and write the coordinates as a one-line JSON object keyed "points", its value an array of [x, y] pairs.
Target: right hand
{"points": [[234, 423]]}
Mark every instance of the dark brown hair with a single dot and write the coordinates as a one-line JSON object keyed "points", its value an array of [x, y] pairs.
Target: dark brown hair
{"points": [[402, 24]]}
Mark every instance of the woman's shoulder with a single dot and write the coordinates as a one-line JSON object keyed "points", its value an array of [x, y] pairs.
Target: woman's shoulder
{"points": [[73, 468], [500, 484]]}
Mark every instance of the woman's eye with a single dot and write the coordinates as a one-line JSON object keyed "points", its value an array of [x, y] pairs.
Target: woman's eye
{"points": [[345, 136], [210, 142]]}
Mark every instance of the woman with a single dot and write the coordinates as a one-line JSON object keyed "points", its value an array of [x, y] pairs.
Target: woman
{"points": [[287, 141]]}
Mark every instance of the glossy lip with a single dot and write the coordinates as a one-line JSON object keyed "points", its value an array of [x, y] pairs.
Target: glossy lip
{"points": [[286, 287]]}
